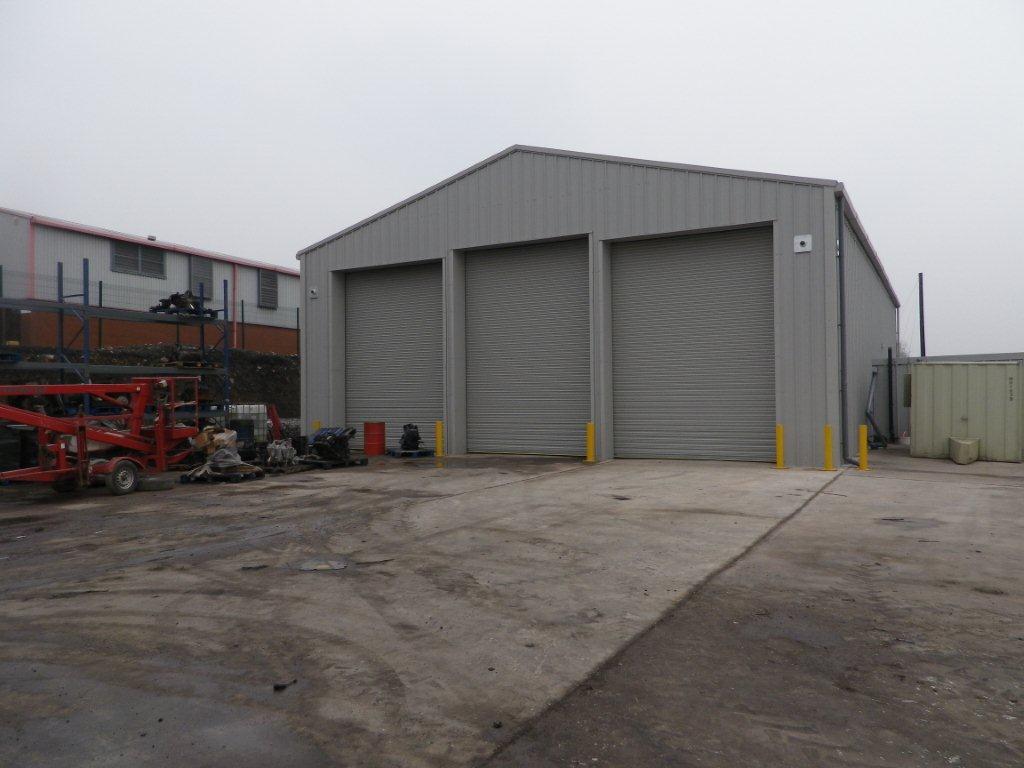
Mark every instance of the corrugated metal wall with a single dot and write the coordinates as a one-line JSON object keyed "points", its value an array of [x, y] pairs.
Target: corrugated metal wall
{"points": [[967, 400], [13, 255], [127, 291], [871, 329], [901, 380], [119, 290], [289, 296], [532, 195], [693, 352]]}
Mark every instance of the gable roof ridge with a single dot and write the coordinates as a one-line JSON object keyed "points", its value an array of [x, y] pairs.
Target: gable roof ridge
{"points": [[525, 148]]}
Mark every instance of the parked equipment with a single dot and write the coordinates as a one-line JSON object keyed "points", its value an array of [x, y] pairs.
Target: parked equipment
{"points": [[145, 427], [329, 448], [410, 444], [410, 437]]}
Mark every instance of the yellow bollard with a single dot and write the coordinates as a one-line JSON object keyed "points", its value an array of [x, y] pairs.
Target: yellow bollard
{"points": [[439, 438], [829, 463], [591, 451], [862, 440], [780, 448]]}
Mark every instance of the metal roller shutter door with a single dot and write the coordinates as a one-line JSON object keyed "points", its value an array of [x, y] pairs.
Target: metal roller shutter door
{"points": [[528, 349], [393, 349], [694, 346]]}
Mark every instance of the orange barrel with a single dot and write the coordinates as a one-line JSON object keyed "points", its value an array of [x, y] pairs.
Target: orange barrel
{"points": [[373, 438]]}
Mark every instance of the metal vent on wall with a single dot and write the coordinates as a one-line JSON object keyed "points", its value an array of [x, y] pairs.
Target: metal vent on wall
{"points": [[200, 273], [133, 259], [151, 261], [267, 289]]}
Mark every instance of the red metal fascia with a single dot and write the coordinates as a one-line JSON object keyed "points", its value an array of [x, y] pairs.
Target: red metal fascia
{"points": [[109, 234]]}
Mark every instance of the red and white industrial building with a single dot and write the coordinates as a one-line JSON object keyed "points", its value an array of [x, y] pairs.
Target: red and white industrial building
{"points": [[135, 272]]}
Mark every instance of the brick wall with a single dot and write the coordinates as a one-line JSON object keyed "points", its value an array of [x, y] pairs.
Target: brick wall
{"points": [[39, 329]]}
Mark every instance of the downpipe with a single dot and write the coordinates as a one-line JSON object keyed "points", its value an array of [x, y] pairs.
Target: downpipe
{"points": [[841, 269]]}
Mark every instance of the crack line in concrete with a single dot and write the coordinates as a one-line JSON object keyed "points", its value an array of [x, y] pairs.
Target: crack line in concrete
{"points": [[686, 598]]}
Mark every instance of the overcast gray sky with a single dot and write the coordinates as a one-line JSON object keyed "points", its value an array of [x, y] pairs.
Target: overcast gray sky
{"points": [[256, 128]]}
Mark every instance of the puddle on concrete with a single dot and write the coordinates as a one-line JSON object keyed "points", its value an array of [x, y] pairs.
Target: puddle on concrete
{"points": [[333, 563], [82, 505], [912, 523]]}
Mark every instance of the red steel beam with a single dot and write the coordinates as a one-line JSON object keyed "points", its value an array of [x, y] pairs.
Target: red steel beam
{"points": [[39, 390], [68, 426]]}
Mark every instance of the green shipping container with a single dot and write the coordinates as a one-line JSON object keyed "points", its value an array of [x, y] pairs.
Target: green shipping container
{"points": [[967, 400]]}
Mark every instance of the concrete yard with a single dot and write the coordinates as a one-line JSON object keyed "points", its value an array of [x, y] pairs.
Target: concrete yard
{"points": [[882, 626], [436, 615], [151, 629]]}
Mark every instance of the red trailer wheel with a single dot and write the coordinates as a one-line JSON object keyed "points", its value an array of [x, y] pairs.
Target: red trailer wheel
{"points": [[123, 478]]}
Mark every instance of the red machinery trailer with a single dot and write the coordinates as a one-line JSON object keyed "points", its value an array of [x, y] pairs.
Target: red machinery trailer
{"points": [[145, 429]]}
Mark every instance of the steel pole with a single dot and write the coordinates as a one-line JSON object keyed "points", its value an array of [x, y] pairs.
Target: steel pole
{"points": [[85, 332], [99, 321], [60, 318], [892, 405], [920, 307], [227, 357]]}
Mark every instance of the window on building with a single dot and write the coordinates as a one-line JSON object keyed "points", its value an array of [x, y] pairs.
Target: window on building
{"points": [[134, 259], [200, 272], [267, 298]]}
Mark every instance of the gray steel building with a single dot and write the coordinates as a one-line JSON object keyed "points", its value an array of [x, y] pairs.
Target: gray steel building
{"points": [[684, 310]]}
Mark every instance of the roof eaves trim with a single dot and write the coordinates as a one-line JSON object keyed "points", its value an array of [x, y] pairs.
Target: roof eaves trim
{"points": [[862, 235], [85, 229]]}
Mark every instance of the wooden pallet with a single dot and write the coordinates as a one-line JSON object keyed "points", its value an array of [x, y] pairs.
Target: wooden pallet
{"points": [[421, 453], [326, 464], [220, 477]]}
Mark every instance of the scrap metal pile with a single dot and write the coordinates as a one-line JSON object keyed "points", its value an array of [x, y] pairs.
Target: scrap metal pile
{"points": [[222, 463], [186, 303]]}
